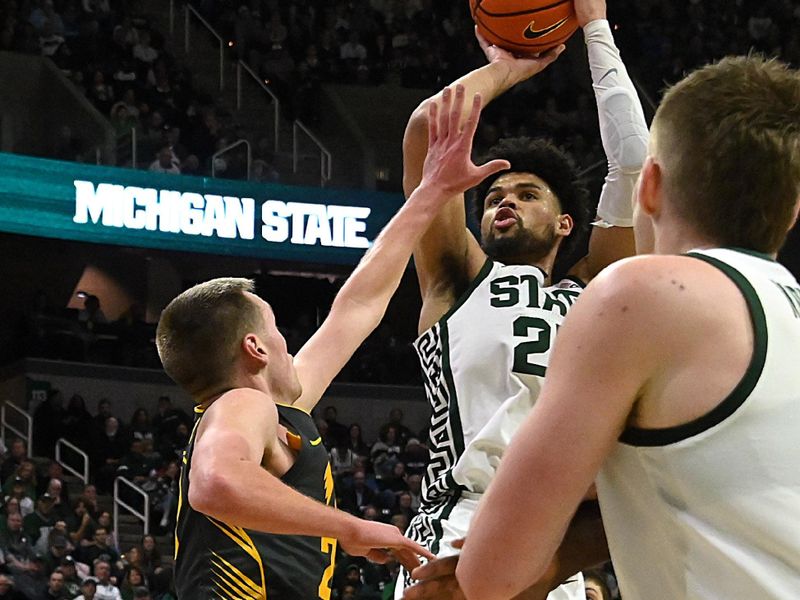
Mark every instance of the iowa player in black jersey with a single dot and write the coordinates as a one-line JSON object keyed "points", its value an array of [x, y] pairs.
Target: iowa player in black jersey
{"points": [[255, 517]]}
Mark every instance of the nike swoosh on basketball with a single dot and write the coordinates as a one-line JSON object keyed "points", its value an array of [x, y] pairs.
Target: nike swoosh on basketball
{"points": [[532, 34]]}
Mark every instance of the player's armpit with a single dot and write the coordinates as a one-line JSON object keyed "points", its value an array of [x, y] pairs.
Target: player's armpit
{"points": [[607, 245]]}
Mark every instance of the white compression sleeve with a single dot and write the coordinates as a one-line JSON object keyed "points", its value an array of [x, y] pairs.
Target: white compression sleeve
{"points": [[622, 126]]}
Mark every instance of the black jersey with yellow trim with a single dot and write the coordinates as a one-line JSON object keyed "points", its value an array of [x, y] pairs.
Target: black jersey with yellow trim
{"points": [[214, 559]]}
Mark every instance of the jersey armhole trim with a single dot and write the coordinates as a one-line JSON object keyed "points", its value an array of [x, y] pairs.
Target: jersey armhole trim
{"points": [[576, 280], [482, 274], [662, 437]]}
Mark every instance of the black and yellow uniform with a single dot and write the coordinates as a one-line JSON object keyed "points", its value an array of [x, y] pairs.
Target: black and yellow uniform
{"points": [[220, 560]]}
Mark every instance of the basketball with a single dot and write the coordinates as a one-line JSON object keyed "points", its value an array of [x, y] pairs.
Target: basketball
{"points": [[525, 26]]}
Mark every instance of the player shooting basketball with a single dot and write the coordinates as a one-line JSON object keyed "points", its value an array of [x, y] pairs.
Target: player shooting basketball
{"points": [[255, 515], [491, 310]]}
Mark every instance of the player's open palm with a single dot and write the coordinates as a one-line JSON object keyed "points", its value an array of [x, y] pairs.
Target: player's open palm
{"points": [[379, 541], [448, 164], [519, 68]]}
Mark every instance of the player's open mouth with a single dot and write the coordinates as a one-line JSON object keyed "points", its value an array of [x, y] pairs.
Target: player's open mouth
{"points": [[504, 218]]}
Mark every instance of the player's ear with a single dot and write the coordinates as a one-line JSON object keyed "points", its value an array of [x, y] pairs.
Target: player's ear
{"points": [[565, 225], [650, 188], [254, 348]]}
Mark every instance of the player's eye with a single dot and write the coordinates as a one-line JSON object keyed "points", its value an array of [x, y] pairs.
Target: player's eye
{"points": [[529, 196], [493, 200]]}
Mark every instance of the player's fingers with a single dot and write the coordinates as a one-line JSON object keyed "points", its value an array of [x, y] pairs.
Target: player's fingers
{"points": [[408, 559], [481, 40], [492, 167], [471, 124], [436, 568], [444, 114], [459, 544], [455, 112], [552, 54], [433, 123], [417, 549]]}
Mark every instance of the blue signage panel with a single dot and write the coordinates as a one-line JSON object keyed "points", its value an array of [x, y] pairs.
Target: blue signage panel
{"points": [[108, 205]]}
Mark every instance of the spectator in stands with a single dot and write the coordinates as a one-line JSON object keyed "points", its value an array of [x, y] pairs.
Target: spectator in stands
{"points": [[336, 430], [40, 522], [134, 578], [109, 450], [79, 522], [141, 429], [103, 412], [143, 51], [404, 507], [174, 447], [415, 457], [165, 162], [414, 483], [142, 593], [400, 521], [106, 588], [356, 441], [151, 555], [104, 520], [357, 495], [19, 493], [19, 555], [48, 426], [134, 465], [166, 420], [7, 590], [18, 452], [97, 548], [78, 423], [10, 506], [343, 459], [89, 494], [164, 497], [55, 588], [88, 589], [385, 453], [395, 481], [396, 421], [26, 477], [58, 491], [58, 547], [72, 582]]}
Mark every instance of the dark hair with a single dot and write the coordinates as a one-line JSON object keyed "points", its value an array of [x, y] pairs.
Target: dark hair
{"points": [[728, 140], [544, 159]]}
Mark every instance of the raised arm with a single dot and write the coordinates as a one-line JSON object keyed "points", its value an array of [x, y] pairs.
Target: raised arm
{"points": [[228, 481], [447, 255], [625, 138], [361, 303]]}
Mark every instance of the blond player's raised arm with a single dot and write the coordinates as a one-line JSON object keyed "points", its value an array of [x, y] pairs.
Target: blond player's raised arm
{"points": [[361, 303], [448, 256]]}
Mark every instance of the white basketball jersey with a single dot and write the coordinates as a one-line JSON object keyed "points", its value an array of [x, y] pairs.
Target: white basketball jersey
{"points": [[711, 509], [483, 365]]}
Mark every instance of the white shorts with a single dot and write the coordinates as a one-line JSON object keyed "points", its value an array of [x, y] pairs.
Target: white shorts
{"points": [[456, 526]]}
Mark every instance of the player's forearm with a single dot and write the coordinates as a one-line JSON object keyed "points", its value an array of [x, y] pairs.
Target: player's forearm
{"points": [[245, 495], [376, 278], [623, 129]]}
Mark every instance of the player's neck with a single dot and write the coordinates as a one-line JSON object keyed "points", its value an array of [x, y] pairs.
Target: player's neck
{"points": [[680, 238]]}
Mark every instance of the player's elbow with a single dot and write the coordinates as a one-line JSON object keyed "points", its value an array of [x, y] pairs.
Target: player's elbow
{"points": [[210, 493]]}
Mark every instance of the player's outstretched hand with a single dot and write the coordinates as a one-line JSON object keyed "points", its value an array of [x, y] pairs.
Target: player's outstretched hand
{"points": [[519, 68], [379, 542], [589, 10], [448, 164], [436, 580]]}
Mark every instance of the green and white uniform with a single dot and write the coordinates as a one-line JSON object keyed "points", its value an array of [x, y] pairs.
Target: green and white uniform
{"points": [[711, 509], [483, 366]]}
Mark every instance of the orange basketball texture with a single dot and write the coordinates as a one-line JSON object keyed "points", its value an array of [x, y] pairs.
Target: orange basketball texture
{"points": [[525, 26]]}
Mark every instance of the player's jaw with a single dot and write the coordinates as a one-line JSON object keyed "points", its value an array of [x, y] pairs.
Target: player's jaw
{"points": [[512, 241]]}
